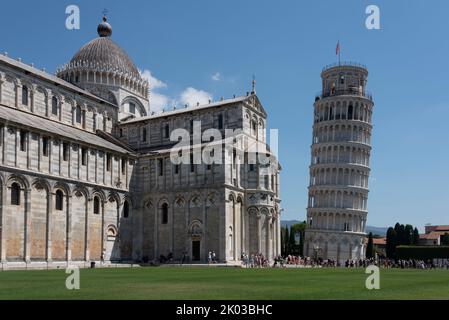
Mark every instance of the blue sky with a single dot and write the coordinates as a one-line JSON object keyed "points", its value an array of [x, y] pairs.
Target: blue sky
{"points": [[285, 44]]}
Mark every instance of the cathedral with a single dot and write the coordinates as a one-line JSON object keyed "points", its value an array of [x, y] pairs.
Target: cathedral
{"points": [[87, 171]]}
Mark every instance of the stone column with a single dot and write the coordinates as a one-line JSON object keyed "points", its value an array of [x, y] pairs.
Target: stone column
{"points": [[248, 236], [39, 152], [32, 90], [118, 228], [204, 241], [88, 150], [89, 202], [50, 152], [277, 234], [259, 232], [222, 254], [27, 241], [156, 230], [73, 114], [105, 160], [3, 222], [61, 156], [17, 87], [80, 166], [69, 228], [242, 229], [17, 131], [1, 87], [60, 109], [103, 246], [268, 237], [47, 113], [69, 160], [4, 133], [28, 137], [49, 224], [94, 121], [234, 232]]}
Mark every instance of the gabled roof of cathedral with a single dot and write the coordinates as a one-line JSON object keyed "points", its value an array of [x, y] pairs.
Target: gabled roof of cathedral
{"points": [[49, 77], [33, 121], [200, 107]]}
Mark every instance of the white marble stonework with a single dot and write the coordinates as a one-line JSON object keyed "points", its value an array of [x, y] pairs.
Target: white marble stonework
{"points": [[341, 147], [85, 170]]}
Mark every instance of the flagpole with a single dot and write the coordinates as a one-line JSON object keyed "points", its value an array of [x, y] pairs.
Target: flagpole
{"points": [[338, 52]]}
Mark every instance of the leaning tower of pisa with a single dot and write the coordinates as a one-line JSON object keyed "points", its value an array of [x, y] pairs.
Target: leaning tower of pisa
{"points": [[338, 191]]}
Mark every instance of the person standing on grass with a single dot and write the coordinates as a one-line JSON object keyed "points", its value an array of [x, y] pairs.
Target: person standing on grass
{"points": [[209, 258], [183, 257]]}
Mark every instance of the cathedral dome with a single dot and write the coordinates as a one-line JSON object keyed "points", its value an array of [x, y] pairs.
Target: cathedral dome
{"points": [[101, 55], [104, 53]]}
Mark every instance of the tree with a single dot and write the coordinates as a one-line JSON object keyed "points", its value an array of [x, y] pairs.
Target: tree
{"points": [[401, 237], [291, 241], [408, 235], [397, 229], [445, 239], [391, 243], [282, 241], [416, 236], [300, 229], [370, 247], [286, 242]]}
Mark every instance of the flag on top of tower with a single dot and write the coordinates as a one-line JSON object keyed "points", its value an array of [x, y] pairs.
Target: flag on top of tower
{"points": [[337, 49]]}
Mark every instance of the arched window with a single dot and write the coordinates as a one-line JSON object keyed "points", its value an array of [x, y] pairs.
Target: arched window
{"points": [[15, 194], [350, 112], [25, 95], [254, 128], [23, 140], [164, 213], [132, 108], [54, 106], [220, 122], [126, 209], [96, 205], [78, 114], [59, 200]]}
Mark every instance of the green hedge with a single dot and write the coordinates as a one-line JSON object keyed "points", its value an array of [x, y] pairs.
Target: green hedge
{"points": [[422, 252]]}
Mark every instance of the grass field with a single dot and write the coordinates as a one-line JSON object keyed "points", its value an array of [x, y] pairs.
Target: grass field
{"points": [[224, 283]]}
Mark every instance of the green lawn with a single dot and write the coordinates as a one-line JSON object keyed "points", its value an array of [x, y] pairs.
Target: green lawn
{"points": [[224, 283]]}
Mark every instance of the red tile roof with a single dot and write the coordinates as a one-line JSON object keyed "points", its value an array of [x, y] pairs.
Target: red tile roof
{"points": [[431, 236], [442, 228], [381, 241]]}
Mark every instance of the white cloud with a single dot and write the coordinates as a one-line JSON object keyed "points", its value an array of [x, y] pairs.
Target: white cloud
{"points": [[192, 96], [159, 102], [154, 82], [216, 76]]}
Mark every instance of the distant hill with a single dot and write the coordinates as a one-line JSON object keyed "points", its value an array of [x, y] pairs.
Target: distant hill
{"points": [[289, 223], [381, 231]]}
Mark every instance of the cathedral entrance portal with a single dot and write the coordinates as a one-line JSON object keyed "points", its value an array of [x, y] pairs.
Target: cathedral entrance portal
{"points": [[196, 246]]}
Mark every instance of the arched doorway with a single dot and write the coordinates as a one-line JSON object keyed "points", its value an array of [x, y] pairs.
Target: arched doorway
{"points": [[196, 248]]}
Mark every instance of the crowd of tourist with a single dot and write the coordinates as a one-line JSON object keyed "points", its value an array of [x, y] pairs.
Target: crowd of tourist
{"points": [[258, 260], [298, 261], [254, 260]]}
